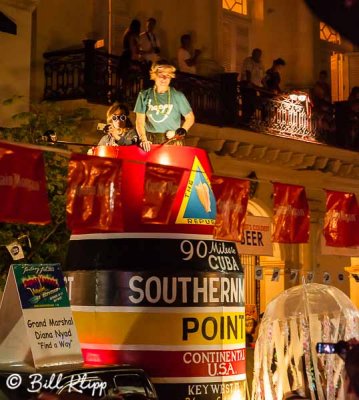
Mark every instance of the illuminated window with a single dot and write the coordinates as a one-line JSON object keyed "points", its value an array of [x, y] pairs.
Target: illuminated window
{"points": [[329, 34], [237, 6]]}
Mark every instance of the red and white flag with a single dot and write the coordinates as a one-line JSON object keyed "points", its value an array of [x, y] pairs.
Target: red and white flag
{"points": [[231, 200], [341, 221], [23, 191], [94, 194], [161, 186], [291, 222]]}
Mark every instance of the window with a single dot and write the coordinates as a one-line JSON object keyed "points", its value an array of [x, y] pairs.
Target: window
{"points": [[236, 6], [329, 34]]}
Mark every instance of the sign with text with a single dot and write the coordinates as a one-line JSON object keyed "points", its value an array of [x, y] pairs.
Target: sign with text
{"points": [[256, 238], [37, 326], [192, 253]]}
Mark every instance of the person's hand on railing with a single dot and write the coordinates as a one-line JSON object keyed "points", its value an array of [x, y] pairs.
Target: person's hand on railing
{"points": [[146, 145], [170, 134]]}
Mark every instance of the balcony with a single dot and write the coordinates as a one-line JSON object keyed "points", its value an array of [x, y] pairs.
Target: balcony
{"points": [[98, 77]]}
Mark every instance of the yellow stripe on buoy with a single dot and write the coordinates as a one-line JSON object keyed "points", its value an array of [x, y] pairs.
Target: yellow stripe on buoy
{"points": [[153, 328]]}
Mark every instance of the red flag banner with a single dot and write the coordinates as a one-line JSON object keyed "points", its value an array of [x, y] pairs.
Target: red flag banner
{"points": [[160, 188], [23, 192], [291, 221], [341, 221], [94, 194], [232, 200]]}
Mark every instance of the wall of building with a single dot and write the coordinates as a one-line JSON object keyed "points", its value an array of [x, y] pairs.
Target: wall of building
{"points": [[60, 24]]}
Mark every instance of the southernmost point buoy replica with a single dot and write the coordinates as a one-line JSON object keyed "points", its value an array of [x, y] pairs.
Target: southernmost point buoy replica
{"points": [[159, 292]]}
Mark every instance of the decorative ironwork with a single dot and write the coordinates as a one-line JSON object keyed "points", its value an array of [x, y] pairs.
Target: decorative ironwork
{"points": [[282, 115], [237, 6], [328, 34], [289, 116], [64, 75], [102, 78]]}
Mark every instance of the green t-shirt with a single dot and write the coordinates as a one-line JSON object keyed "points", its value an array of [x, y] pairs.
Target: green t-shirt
{"points": [[163, 111]]}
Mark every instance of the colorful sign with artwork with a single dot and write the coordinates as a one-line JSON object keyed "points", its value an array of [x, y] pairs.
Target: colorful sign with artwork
{"points": [[37, 319]]}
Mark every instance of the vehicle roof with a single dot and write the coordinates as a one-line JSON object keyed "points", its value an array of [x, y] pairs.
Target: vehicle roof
{"points": [[65, 369]]}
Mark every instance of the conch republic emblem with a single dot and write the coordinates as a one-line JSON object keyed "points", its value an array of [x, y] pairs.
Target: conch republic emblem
{"points": [[198, 205]]}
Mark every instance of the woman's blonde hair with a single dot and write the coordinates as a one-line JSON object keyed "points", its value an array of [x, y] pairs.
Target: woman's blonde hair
{"points": [[162, 67]]}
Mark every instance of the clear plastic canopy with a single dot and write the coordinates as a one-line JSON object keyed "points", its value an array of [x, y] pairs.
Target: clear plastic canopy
{"points": [[285, 354]]}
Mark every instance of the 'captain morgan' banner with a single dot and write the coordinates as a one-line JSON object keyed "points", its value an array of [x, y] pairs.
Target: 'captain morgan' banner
{"points": [[290, 215], [231, 200], [161, 186], [94, 193], [341, 221], [23, 193]]}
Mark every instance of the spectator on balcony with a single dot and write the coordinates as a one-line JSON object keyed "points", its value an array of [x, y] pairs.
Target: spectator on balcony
{"points": [[322, 86], [251, 79], [149, 43], [252, 69], [352, 140], [131, 54], [323, 111], [271, 80], [159, 110], [119, 130], [186, 58]]}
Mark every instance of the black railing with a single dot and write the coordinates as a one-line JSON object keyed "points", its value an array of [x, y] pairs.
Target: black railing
{"points": [[102, 78]]}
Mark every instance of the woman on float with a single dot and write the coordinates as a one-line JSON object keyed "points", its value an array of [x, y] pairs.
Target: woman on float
{"points": [[119, 130], [159, 110]]}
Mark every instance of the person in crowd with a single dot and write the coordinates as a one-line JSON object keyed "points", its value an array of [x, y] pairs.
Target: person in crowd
{"points": [[131, 54], [351, 384], [323, 86], [187, 60], [323, 110], [271, 80], [149, 43], [251, 325], [321, 91], [130, 41], [119, 130], [252, 75], [252, 69], [159, 110], [352, 120]]}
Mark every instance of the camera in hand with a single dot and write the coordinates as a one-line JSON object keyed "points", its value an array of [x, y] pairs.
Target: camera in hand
{"points": [[340, 348]]}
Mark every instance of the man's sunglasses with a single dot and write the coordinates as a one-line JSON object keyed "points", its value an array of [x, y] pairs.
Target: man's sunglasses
{"points": [[121, 117]]}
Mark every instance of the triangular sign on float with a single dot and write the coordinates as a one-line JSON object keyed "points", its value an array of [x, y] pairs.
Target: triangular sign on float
{"points": [[198, 204]]}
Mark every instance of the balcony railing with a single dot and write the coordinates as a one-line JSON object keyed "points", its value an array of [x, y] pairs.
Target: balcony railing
{"points": [[100, 77]]}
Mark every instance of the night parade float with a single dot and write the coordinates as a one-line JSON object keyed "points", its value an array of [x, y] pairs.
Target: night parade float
{"points": [[154, 289]]}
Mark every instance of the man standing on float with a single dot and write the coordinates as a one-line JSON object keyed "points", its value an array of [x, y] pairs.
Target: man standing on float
{"points": [[159, 110]]}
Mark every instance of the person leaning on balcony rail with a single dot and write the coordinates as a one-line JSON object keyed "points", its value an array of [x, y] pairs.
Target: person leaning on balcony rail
{"points": [[252, 74], [159, 110], [351, 358], [149, 43], [271, 80]]}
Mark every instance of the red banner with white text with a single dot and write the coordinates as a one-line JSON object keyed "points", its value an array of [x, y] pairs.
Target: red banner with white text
{"points": [[161, 186], [232, 200], [341, 221], [291, 221], [94, 193], [23, 192]]}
